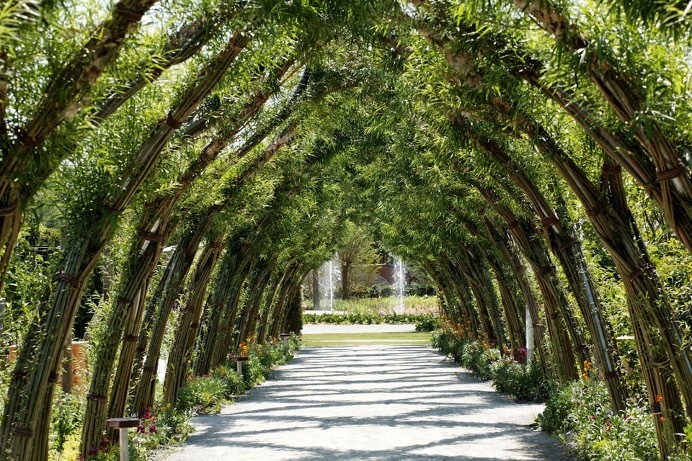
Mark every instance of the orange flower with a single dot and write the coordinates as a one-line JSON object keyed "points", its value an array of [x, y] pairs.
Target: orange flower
{"points": [[659, 398], [662, 419]]}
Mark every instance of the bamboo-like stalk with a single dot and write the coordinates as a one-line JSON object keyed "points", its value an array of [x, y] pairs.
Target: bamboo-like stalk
{"points": [[188, 324], [154, 229], [513, 317], [215, 304], [486, 301], [270, 304], [458, 284], [292, 323], [511, 299], [621, 93], [179, 265], [248, 325], [226, 338], [221, 344], [558, 314], [293, 277], [566, 247], [563, 245], [443, 296], [509, 252], [480, 267], [62, 96], [82, 257]]}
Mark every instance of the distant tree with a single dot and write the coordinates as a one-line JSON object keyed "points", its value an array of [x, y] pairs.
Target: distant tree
{"points": [[357, 258]]}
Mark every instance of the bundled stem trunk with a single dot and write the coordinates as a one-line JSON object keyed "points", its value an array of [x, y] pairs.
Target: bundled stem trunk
{"points": [[154, 230], [258, 285], [486, 301], [559, 317], [216, 303], [61, 97], [510, 254], [269, 305], [221, 344], [627, 100], [173, 280], [291, 279], [188, 324]]}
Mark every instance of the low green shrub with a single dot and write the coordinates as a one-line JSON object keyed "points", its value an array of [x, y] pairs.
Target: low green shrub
{"points": [[202, 394], [509, 374], [524, 383], [66, 418], [361, 318], [555, 417], [428, 322], [167, 425], [581, 412], [233, 382]]}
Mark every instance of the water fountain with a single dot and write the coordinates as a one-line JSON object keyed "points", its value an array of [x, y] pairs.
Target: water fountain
{"points": [[329, 277], [330, 291], [400, 284]]}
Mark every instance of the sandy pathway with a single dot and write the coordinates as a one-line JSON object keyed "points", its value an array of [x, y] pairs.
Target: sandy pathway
{"points": [[384, 403]]}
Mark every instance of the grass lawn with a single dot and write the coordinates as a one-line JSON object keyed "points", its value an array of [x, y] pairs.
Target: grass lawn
{"points": [[366, 339]]}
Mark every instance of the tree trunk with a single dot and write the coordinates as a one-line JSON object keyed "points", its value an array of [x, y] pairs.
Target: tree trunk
{"points": [[188, 324], [282, 301], [568, 251], [178, 268], [216, 304], [270, 305], [315, 289], [258, 285], [222, 342], [509, 252], [511, 299], [558, 314], [62, 95], [345, 281], [123, 373]]}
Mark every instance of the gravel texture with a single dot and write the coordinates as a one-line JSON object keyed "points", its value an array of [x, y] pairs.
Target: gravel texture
{"points": [[363, 403]]}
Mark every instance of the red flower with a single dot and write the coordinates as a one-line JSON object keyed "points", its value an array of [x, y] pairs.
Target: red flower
{"points": [[152, 428], [140, 428]]}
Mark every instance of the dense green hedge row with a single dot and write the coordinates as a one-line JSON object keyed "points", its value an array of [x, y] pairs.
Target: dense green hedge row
{"points": [[424, 322]]}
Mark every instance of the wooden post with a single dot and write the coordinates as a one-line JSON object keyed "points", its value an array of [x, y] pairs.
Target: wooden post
{"points": [[239, 359], [284, 339], [122, 425], [529, 337]]}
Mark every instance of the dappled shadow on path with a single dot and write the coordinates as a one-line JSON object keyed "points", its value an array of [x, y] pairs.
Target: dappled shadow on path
{"points": [[389, 403]]}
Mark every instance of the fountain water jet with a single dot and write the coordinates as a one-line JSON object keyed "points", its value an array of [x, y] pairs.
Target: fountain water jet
{"points": [[400, 284]]}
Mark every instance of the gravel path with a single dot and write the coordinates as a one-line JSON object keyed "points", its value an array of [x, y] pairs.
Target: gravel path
{"points": [[379, 403]]}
